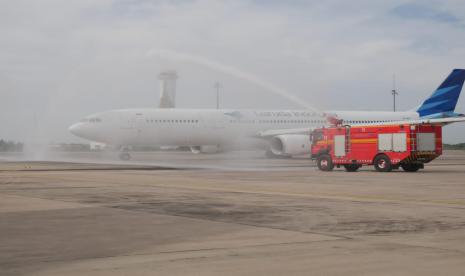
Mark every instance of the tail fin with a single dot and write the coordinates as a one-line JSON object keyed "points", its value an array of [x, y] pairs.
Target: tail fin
{"points": [[443, 101]]}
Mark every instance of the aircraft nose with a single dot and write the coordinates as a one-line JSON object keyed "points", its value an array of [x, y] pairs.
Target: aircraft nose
{"points": [[74, 129]]}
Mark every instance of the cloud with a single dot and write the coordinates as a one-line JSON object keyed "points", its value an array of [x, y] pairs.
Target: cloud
{"points": [[419, 11]]}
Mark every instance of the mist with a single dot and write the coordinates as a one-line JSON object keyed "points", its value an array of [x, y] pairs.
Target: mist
{"points": [[63, 60]]}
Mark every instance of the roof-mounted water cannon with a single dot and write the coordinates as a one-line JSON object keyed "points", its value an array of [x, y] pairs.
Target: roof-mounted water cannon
{"points": [[333, 120]]}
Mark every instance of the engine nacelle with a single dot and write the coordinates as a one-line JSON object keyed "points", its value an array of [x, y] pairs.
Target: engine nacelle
{"points": [[205, 149], [290, 144]]}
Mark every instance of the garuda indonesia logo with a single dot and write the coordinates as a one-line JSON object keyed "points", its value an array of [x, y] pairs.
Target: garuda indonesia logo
{"points": [[235, 114]]}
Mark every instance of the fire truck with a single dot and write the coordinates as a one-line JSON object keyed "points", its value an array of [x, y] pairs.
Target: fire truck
{"points": [[386, 147]]}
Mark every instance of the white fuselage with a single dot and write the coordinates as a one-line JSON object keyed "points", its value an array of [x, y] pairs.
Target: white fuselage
{"points": [[195, 127]]}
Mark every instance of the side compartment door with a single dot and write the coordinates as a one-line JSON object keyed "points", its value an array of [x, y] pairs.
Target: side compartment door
{"points": [[385, 142], [339, 145], [399, 142], [426, 141]]}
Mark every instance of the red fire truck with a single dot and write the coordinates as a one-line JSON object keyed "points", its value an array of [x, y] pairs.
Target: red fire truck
{"points": [[386, 147]]}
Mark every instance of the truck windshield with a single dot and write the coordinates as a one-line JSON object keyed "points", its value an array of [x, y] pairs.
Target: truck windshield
{"points": [[316, 136]]}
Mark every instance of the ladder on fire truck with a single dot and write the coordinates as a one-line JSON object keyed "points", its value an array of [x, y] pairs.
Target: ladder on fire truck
{"points": [[347, 138], [413, 138]]}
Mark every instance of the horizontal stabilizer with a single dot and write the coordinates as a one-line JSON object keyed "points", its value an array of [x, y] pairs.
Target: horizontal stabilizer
{"points": [[438, 121]]}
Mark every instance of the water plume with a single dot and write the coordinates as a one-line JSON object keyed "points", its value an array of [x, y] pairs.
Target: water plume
{"points": [[235, 72]]}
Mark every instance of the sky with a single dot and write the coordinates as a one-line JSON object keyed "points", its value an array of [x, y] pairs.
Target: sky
{"points": [[63, 60]]}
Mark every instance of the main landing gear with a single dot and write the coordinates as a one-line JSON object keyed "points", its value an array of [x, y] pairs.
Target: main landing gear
{"points": [[124, 155], [269, 154]]}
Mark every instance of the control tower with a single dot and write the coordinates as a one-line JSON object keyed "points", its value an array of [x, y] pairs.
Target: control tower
{"points": [[167, 89]]}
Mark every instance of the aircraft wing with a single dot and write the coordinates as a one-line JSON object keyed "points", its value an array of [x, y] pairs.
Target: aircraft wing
{"points": [[306, 131], [275, 132]]}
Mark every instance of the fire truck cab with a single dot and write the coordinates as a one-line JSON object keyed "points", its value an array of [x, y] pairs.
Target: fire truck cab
{"points": [[386, 147]]}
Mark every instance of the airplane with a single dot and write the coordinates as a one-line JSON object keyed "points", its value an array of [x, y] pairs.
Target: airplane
{"points": [[282, 133]]}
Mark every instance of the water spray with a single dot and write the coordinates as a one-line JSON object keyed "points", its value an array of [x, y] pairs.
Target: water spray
{"points": [[183, 57]]}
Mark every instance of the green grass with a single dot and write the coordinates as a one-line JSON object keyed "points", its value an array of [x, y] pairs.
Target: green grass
{"points": [[460, 146]]}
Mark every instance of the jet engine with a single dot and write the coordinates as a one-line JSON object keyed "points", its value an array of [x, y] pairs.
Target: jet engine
{"points": [[290, 144], [205, 149]]}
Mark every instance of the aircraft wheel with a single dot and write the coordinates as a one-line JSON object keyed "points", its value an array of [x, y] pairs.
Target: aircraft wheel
{"points": [[410, 167], [352, 167], [125, 156], [325, 163], [382, 163]]}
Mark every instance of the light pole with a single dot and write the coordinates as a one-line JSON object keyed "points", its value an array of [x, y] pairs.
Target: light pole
{"points": [[394, 92], [217, 87]]}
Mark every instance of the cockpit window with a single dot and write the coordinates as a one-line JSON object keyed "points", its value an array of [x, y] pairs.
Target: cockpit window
{"points": [[91, 120]]}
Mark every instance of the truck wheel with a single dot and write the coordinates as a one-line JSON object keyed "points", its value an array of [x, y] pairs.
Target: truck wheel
{"points": [[351, 167], [325, 163], [382, 163], [410, 167]]}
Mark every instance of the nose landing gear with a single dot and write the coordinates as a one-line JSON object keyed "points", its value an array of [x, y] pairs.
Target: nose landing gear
{"points": [[125, 156]]}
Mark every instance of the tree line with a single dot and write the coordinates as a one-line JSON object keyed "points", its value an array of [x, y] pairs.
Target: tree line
{"points": [[460, 146], [10, 146]]}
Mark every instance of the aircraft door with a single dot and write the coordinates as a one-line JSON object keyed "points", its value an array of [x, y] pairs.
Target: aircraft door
{"points": [[132, 122], [139, 123], [127, 121], [131, 125], [219, 122]]}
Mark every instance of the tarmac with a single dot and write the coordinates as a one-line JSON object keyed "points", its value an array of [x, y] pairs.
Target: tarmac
{"points": [[176, 213]]}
